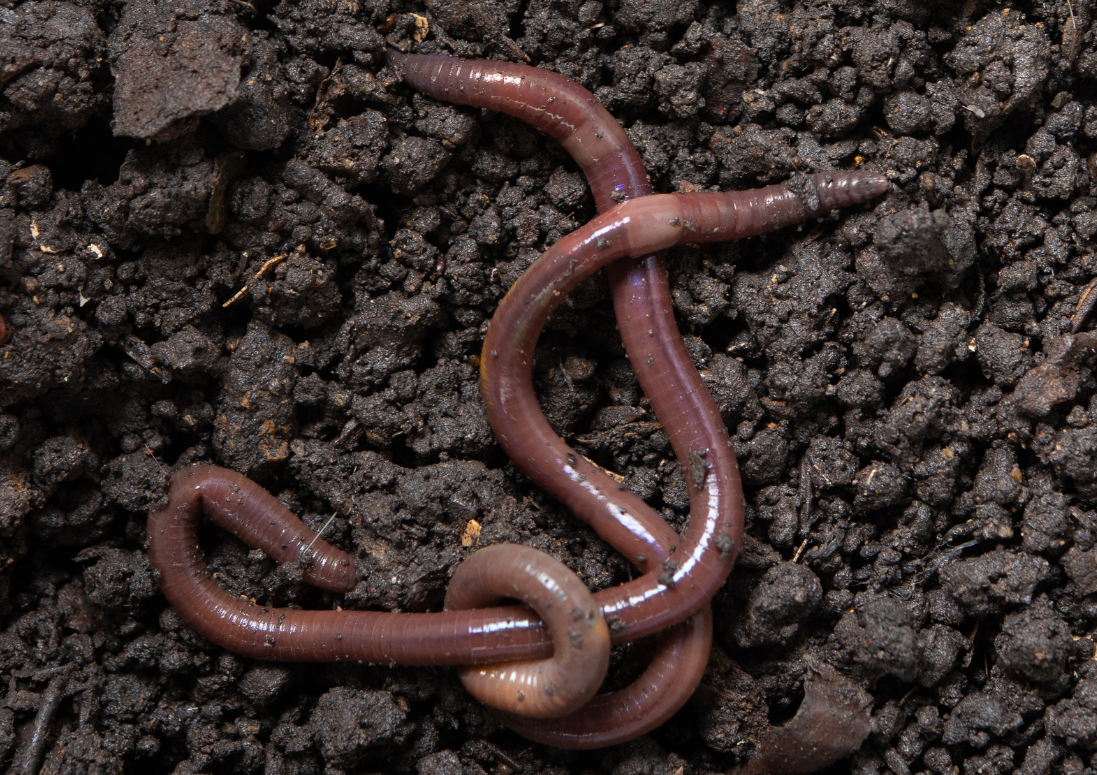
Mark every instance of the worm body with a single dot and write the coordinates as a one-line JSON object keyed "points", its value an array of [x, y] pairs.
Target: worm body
{"points": [[454, 637], [700, 564], [556, 105], [681, 656], [569, 113]]}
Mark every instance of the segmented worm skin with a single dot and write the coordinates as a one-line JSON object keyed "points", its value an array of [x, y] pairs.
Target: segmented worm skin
{"points": [[653, 601], [459, 637], [635, 227], [672, 587], [572, 115], [543, 689], [668, 681], [469, 637], [243, 508]]}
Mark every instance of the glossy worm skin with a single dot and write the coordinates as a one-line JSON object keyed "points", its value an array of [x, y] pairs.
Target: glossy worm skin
{"points": [[569, 113], [572, 115], [642, 300], [556, 105], [655, 599], [700, 565], [243, 508], [544, 689], [469, 637]]}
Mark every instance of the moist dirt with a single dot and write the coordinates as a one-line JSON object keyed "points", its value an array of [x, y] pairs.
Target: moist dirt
{"points": [[229, 233]]}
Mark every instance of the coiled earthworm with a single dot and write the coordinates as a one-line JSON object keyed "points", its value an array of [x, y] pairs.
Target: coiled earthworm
{"points": [[699, 566], [638, 530], [635, 227], [572, 115], [544, 688]]}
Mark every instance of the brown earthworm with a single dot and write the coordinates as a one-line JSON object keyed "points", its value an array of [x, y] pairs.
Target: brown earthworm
{"points": [[700, 565], [570, 114], [506, 634], [656, 599], [544, 688]]}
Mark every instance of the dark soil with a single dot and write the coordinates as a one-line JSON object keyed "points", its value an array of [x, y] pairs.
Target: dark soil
{"points": [[914, 361]]}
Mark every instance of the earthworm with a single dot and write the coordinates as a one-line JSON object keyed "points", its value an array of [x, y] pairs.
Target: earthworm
{"points": [[242, 507], [580, 641], [545, 688], [570, 114], [700, 564], [803, 199], [556, 105], [681, 655]]}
